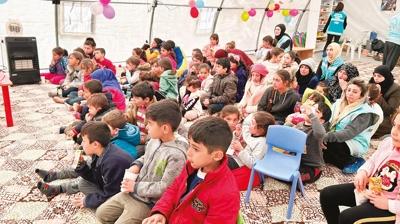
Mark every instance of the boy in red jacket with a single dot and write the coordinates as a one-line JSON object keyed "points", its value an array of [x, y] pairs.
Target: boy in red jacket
{"points": [[102, 62], [205, 191]]}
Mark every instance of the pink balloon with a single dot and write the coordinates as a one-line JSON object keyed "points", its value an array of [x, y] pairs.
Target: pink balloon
{"points": [[269, 13], [105, 2], [192, 3], [252, 12], [294, 12], [108, 11], [194, 12]]}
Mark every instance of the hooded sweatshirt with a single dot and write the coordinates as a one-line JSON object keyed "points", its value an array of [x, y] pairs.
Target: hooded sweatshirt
{"points": [[161, 163], [169, 85], [110, 84], [127, 139], [279, 105]]}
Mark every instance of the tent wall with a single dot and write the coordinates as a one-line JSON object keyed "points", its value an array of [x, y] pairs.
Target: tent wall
{"points": [[130, 27], [366, 16]]}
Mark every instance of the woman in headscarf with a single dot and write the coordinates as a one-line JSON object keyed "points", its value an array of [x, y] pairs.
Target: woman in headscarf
{"points": [[352, 125], [330, 64], [305, 76], [283, 40], [110, 84], [339, 82], [389, 99]]}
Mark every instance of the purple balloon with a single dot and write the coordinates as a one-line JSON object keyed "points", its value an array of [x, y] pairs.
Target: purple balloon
{"points": [[105, 2], [108, 12]]}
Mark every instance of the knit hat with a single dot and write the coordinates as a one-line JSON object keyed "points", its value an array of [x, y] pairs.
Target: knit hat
{"points": [[309, 62], [350, 70], [260, 69], [220, 54]]}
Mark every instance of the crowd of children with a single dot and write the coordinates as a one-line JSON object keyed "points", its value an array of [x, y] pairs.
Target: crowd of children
{"points": [[164, 140]]}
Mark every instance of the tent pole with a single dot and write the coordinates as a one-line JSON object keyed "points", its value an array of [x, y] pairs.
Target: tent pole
{"points": [[216, 15], [56, 3], [155, 3], [261, 24], [302, 14]]}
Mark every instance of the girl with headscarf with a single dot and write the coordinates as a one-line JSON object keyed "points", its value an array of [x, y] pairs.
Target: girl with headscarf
{"points": [[339, 82], [305, 76], [330, 64], [283, 40], [389, 99], [110, 84]]}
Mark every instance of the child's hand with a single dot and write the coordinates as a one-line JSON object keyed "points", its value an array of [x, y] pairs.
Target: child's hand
{"points": [[79, 202], [236, 146], [127, 185], [342, 84], [361, 180], [191, 115], [155, 219], [134, 169], [378, 200]]}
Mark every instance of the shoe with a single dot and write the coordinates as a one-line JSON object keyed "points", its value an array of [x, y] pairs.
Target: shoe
{"points": [[52, 94], [49, 190], [46, 175], [62, 130], [353, 167]]}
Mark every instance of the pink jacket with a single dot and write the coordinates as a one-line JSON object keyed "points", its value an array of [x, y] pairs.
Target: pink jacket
{"points": [[252, 96], [371, 166]]}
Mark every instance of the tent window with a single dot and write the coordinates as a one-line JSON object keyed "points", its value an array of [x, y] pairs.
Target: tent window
{"points": [[76, 18], [206, 21]]}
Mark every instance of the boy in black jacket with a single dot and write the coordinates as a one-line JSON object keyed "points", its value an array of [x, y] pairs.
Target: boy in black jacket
{"points": [[98, 180]]}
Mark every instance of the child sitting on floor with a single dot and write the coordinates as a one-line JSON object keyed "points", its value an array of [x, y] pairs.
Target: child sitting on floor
{"points": [[162, 162], [102, 62], [168, 81], [315, 122], [205, 191], [297, 117], [190, 99], [254, 130], [205, 77], [98, 180], [124, 135], [57, 66]]}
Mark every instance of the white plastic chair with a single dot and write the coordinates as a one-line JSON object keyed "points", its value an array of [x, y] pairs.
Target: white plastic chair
{"points": [[353, 45]]}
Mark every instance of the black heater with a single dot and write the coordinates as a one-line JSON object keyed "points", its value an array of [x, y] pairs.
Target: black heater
{"points": [[23, 60]]}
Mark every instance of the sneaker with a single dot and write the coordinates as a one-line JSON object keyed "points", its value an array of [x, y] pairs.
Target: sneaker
{"points": [[353, 167], [49, 190], [46, 175]]}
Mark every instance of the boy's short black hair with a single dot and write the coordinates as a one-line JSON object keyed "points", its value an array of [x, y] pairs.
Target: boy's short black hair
{"points": [[143, 90], [225, 63], [93, 86], [165, 112], [325, 110], [97, 131], [213, 132], [102, 50]]}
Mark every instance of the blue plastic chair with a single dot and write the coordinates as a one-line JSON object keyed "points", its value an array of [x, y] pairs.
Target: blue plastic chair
{"points": [[279, 165]]}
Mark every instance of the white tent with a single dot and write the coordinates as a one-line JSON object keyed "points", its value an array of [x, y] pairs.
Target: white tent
{"points": [[131, 26]]}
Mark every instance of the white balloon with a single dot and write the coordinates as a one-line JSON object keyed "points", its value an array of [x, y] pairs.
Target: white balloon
{"points": [[96, 8]]}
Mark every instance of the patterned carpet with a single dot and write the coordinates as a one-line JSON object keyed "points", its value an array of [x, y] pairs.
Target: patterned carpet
{"points": [[34, 142]]}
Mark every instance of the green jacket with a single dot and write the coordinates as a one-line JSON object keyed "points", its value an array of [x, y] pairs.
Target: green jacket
{"points": [[169, 85]]}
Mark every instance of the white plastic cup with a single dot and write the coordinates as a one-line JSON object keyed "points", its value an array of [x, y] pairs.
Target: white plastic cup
{"points": [[129, 176], [360, 197]]}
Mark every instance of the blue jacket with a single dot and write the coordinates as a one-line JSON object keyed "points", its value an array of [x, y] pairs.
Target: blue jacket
{"points": [[337, 23], [106, 172], [127, 139], [394, 29], [242, 75]]}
